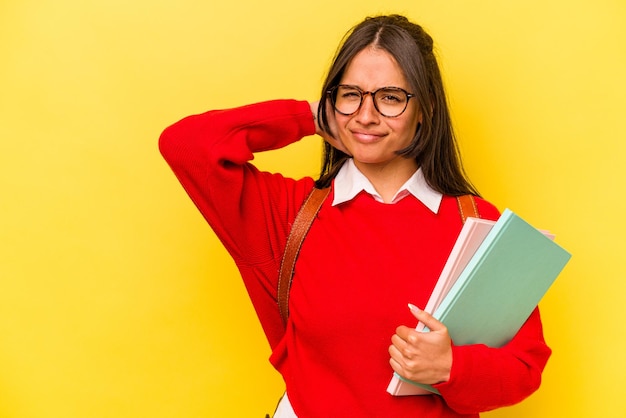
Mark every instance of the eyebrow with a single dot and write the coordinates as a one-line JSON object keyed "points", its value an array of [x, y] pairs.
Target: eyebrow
{"points": [[378, 88]]}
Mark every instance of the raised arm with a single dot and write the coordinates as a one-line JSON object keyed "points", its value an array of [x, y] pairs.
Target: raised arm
{"points": [[250, 211]]}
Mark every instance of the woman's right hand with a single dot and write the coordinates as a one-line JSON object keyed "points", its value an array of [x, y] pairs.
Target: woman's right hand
{"points": [[331, 137]]}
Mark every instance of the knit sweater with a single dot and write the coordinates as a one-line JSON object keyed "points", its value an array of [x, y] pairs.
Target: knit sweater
{"points": [[361, 263]]}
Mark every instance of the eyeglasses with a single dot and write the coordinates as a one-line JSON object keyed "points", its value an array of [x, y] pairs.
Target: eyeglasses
{"points": [[388, 101]]}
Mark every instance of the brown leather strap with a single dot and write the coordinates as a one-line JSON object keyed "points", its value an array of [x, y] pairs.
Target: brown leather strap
{"points": [[467, 207], [299, 229]]}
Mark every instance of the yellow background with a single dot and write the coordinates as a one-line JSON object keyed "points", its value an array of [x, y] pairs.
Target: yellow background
{"points": [[116, 300]]}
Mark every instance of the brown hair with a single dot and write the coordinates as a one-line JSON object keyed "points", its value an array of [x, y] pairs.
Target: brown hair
{"points": [[434, 146]]}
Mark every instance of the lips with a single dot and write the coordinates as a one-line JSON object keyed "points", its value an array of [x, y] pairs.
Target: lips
{"points": [[367, 137]]}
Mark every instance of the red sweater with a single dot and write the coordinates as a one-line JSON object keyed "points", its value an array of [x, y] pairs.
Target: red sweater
{"points": [[360, 265]]}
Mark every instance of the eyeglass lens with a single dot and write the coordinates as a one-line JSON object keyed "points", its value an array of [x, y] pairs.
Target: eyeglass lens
{"points": [[389, 101]]}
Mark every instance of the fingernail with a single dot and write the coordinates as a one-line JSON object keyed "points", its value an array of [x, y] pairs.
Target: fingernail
{"points": [[413, 307]]}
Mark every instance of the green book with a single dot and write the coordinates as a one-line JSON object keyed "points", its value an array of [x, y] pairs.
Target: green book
{"points": [[501, 285]]}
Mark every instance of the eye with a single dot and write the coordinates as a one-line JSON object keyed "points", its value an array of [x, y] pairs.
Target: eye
{"points": [[350, 94], [391, 96], [347, 93]]}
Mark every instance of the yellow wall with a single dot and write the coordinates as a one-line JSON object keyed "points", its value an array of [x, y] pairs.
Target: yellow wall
{"points": [[115, 298]]}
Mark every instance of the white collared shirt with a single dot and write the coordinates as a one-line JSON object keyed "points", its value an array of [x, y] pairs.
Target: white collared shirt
{"points": [[350, 181]]}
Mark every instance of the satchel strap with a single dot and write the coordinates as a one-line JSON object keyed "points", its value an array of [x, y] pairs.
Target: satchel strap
{"points": [[302, 223], [467, 207], [299, 229]]}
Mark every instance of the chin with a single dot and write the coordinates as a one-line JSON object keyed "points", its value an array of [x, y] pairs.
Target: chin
{"points": [[370, 160], [369, 155]]}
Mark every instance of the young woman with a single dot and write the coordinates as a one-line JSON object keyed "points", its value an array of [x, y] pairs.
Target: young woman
{"points": [[380, 239]]}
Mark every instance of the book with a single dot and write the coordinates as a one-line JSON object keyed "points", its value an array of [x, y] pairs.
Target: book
{"points": [[495, 276]]}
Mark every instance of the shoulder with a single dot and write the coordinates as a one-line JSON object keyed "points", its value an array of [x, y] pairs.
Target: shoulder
{"points": [[486, 209], [450, 208]]}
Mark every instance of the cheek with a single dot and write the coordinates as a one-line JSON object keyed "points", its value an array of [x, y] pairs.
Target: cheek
{"points": [[411, 126], [342, 123], [405, 130]]}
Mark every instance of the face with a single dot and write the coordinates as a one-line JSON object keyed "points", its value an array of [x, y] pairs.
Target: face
{"points": [[371, 138]]}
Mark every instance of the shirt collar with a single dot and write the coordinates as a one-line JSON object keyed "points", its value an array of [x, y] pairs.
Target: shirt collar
{"points": [[349, 182]]}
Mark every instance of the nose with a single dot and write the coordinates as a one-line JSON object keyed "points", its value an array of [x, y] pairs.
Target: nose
{"points": [[367, 114]]}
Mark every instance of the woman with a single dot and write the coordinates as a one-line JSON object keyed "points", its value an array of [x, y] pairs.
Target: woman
{"points": [[380, 239]]}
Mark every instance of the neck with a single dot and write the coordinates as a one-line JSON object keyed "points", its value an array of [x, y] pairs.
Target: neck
{"points": [[388, 178]]}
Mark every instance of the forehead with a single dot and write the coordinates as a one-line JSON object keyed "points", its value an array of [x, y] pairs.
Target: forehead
{"points": [[373, 68]]}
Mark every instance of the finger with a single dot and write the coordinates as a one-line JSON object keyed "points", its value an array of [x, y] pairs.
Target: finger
{"points": [[404, 333], [398, 341], [426, 318], [314, 106], [396, 359], [395, 353], [396, 367], [332, 136]]}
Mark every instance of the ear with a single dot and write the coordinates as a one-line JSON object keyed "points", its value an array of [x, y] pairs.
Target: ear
{"points": [[420, 120]]}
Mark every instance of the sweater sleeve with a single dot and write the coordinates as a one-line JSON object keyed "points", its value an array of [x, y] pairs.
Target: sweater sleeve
{"points": [[485, 378], [249, 210]]}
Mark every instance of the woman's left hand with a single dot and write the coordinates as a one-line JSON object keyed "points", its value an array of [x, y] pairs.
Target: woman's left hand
{"points": [[331, 137], [423, 357]]}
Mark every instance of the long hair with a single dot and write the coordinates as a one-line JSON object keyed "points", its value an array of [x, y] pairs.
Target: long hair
{"points": [[434, 145]]}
